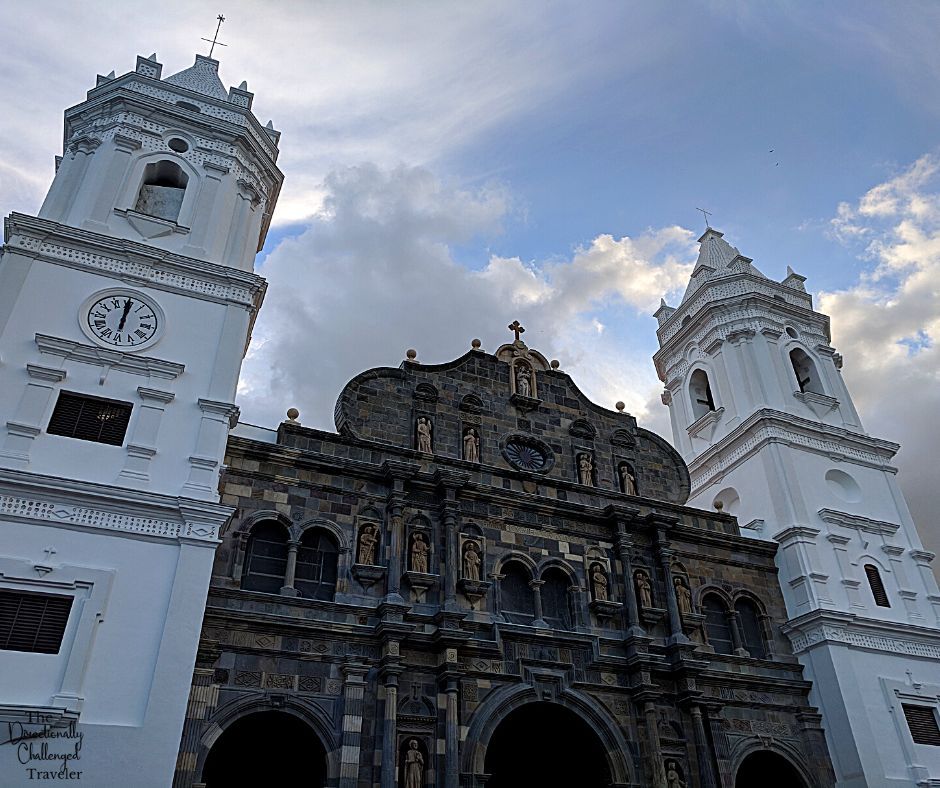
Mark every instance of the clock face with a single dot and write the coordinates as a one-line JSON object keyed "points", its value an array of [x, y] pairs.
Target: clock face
{"points": [[122, 319]]}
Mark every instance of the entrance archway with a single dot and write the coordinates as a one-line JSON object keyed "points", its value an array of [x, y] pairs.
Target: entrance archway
{"points": [[266, 748], [764, 769], [546, 744]]}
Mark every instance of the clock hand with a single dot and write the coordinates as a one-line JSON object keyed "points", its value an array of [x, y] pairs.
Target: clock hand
{"points": [[127, 308]]}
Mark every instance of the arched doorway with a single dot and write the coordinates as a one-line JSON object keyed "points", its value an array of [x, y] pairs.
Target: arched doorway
{"points": [[765, 769], [266, 748], [546, 744]]}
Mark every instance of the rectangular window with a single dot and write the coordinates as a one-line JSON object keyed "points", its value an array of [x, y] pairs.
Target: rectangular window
{"points": [[922, 721], [32, 622], [90, 418]]}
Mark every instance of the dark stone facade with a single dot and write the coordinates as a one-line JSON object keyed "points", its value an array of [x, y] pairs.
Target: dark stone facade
{"points": [[433, 649]]}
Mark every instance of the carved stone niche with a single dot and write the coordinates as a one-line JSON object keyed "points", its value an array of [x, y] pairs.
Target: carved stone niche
{"points": [[692, 624], [524, 366], [473, 590], [601, 604], [472, 546], [649, 613]]}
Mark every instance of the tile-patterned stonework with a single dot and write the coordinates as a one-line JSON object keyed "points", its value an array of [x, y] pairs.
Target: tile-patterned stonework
{"points": [[457, 655]]}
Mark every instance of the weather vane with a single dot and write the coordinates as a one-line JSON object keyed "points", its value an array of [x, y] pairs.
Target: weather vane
{"points": [[706, 214], [215, 39]]}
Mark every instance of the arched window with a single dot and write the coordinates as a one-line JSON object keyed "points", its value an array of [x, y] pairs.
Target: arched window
{"points": [[700, 393], [877, 586], [805, 370], [717, 627], [556, 605], [161, 193], [315, 577], [750, 626], [516, 597], [266, 562]]}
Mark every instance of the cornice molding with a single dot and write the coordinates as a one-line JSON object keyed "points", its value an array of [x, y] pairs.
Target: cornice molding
{"points": [[768, 425], [828, 627], [131, 363], [858, 523], [86, 506], [133, 262]]}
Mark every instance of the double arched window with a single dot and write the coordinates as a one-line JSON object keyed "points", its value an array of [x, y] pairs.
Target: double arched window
{"points": [[733, 632], [307, 567], [517, 600]]}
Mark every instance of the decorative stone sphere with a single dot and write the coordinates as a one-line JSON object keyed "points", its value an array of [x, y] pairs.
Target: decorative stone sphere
{"points": [[475, 344], [293, 413], [719, 506], [411, 353], [620, 406], [555, 364]]}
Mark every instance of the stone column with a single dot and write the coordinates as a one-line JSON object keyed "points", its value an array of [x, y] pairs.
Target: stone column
{"points": [[737, 642], [390, 727], [395, 539], [657, 770], [451, 753], [675, 620], [536, 586], [354, 687], [30, 413], [451, 521], [288, 588], [142, 443], [631, 609], [703, 750], [203, 695]]}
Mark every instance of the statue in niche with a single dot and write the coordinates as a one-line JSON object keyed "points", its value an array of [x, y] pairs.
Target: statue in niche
{"points": [[471, 561], [673, 779], [585, 469], [627, 480], [523, 381], [599, 583], [424, 435], [471, 446], [683, 596], [644, 590], [414, 766], [419, 554], [367, 542]]}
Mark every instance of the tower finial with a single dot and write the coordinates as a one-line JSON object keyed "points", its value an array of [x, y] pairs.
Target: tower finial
{"points": [[516, 327], [705, 214], [215, 39]]}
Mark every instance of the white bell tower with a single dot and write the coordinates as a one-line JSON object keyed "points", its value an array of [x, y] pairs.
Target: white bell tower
{"points": [[761, 414], [126, 307]]}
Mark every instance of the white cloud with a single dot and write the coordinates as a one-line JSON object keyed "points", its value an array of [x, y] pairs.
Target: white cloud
{"points": [[374, 275], [888, 324]]}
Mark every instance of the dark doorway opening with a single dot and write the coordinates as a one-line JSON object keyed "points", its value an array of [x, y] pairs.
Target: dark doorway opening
{"points": [[546, 745], [767, 770], [266, 748]]}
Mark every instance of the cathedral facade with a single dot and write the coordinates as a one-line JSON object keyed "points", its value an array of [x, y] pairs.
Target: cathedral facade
{"points": [[484, 579]]}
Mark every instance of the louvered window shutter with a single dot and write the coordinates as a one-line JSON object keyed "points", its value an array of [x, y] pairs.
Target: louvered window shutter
{"points": [[33, 622], [922, 721], [90, 418]]}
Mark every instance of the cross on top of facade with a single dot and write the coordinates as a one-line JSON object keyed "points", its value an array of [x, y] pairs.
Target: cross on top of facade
{"points": [[215, 39], [516, 327]]}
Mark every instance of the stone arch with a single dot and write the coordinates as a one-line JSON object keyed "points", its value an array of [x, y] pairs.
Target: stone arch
{"points": [[702, 591], [515, 555], [313, 716], [130, 190], [804, 366], [701, 392], [751, 746], [556, 563], [426, 392], [582, 428], [332, 528], [500, 703], [471, 403]]}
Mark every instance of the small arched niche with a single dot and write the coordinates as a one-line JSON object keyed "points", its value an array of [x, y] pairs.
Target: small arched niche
{"points": [[729, 500], [161, 192], [700, 394], [807, 377], [843, 485]]}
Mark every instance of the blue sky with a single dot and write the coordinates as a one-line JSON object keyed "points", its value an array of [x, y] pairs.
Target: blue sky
{"points": [[453, 166]]}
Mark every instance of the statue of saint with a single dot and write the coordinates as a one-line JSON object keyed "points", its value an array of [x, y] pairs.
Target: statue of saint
{"points": [[644, 590], [419, 554], [523, 384], [585, 469], [367, 543], [471, 446], [471, 561], [414, 766], [627, 480], [599, 583], [683, 596], [673, 780], [424, 435]]}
